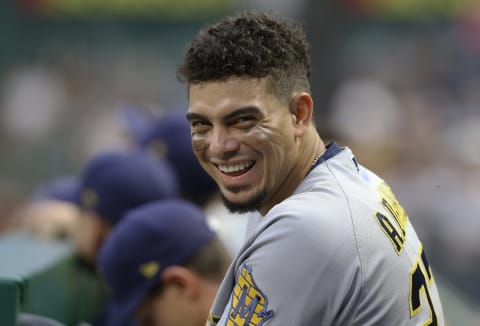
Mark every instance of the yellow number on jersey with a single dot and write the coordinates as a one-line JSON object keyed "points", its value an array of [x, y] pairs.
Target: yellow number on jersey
{"points": [[420, 280]]}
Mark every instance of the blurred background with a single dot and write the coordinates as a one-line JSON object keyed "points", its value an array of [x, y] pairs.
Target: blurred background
{"points": [[398, 81]]}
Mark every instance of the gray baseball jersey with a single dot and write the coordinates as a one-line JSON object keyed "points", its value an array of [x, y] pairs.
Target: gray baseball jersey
{"points": [[339, 251]]}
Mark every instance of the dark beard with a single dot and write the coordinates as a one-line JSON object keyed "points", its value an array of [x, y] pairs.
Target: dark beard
{"points": [[252, 205]]}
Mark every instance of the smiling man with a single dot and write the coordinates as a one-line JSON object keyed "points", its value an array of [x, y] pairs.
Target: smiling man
{"points": [[332, 245], [251, 151]]}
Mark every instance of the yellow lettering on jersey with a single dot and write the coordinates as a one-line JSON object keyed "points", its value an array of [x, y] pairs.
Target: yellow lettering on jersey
{"points": [[249, 304], [390, 202], [390, 231], [394, 227]]}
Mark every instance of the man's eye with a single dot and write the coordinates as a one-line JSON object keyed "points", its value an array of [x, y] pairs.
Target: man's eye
{"points": [[244, 122], [199, 127], [198, 124]]}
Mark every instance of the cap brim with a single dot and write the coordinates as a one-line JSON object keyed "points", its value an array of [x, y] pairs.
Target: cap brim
{"points": [[123, 313]]}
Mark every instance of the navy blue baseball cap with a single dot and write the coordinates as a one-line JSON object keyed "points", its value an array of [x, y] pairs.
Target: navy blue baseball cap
{"points": [[136, 120], [149, 239], [170, 137], [114, 182]]}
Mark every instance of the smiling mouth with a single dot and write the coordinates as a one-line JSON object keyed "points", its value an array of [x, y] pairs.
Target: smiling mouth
{"points": [[236, 169]]}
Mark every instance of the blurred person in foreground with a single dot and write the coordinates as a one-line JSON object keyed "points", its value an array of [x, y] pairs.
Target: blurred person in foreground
{"points": [[332, 246], [163, 265], [112, 183]]}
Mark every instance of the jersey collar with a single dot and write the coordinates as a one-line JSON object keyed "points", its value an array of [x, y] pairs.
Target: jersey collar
{"points": [[331, 150]]}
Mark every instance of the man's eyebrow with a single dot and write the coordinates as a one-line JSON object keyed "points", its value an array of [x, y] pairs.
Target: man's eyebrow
{"points": [[195, 116], [242, 111]]}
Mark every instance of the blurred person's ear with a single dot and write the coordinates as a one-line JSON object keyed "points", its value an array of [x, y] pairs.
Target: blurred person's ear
{"points": [[187, 281]]}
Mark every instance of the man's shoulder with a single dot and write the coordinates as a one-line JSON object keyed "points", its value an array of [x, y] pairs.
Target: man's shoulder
{"points": [[320, 196], [308, 221], [312, 206], [331, 207]]}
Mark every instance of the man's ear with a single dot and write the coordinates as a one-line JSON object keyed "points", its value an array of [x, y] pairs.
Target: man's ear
{"points": [[185, 280], [301, 108]]}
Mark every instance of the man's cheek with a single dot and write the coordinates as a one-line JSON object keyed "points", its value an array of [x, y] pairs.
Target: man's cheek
{"points": [[199, 144]]}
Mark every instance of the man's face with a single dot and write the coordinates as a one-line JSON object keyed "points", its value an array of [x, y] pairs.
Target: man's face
{"points": [[243, 136]]}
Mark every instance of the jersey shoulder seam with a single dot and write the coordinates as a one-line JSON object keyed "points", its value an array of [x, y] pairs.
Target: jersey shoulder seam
{"points": [[327, 165]]}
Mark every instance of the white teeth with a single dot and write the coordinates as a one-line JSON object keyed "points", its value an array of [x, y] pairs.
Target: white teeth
{"points": [[235, 168]]}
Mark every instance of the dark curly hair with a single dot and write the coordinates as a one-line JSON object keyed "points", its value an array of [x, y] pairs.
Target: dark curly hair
{"points": [[252, 45]]}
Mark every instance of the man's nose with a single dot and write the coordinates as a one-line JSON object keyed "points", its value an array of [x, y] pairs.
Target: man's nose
{"points": [[223, 143]]}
